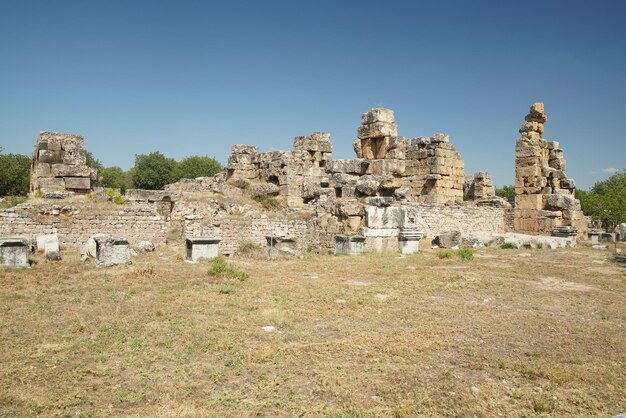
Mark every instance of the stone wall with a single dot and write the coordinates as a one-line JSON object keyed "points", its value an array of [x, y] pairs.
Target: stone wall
{"points": [[232, 231], [75, 223], [434, 219]]}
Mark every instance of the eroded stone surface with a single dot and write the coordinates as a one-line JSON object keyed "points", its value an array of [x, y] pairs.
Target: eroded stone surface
{"points": [[60, 165], [545, 196]]}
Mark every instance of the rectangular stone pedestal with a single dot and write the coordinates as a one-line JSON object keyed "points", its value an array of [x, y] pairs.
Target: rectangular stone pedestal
{"points": [[112, 251], [408, 246], [351, 245], [14, 252], [201, 248]]}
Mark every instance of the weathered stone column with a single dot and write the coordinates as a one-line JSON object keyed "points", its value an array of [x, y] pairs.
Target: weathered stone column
{"points": [[544, 195]]}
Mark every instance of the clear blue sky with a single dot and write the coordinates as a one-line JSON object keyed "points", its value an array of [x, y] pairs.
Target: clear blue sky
{"points": [[194, 77]]}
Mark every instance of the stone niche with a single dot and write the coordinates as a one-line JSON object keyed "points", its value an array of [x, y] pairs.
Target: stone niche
{"points": [[281, 246], [201, 249], [14, 252], [59, 164]]}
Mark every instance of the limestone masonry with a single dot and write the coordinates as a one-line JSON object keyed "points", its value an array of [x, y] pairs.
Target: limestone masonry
{"points": [[396, 190], [60, 165], [545, 196]]}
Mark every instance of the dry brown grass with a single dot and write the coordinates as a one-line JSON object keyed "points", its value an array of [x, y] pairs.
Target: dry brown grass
{"points": [[374, 335]]}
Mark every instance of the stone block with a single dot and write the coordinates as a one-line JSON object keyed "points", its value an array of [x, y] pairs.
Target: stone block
{"points": [[43, 170], [43, 240], [343, 179], [439, 137], [77, 183], [537, 113], [112, 251], [64, 170], [243, 149], [14, 252], [532, 127], [561, 202], [89, 248], [377, 130], [529, 201], [201, 248], [369, 184], [387, 166], [383, 217], [350, 245], [264, 189], [447, 239], [317, 141], [50, 157], [378, 114], [408, 246], [51, 184], [349, 207]]}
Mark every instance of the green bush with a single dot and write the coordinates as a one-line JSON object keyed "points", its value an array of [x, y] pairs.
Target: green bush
{"points": [[445, 254], [195, 166], [152, 171], [507, 246], [465, 254], [268, 202], [14, 175], [222, 268], [115, 196], [507, 192], [11, 201], [113, 177], [249, 248]]}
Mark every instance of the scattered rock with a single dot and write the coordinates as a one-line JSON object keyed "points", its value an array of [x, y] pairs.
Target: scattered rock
{"points": [[447, 239], [264, 189], [268, 328], [145, 246]]}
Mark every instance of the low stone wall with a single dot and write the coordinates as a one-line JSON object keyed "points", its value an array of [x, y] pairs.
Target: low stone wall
{"points": [[434, 219], [232, 231], [75, 224]]}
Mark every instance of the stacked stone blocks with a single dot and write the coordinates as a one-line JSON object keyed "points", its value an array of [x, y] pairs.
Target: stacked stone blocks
{"points": [[545, 196], [59, 164]]}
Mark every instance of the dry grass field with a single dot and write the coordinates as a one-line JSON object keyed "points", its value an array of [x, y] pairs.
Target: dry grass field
{"points": [[509, 333]]}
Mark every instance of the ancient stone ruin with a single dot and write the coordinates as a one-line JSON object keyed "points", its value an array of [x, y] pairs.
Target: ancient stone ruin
{"points": [[201, 248], [59, 165], [396, 190], [545, 197], [14, 252]]}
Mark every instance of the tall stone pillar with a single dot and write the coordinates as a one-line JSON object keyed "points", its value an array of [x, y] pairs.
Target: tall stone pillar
{"points": [[544, 195]]}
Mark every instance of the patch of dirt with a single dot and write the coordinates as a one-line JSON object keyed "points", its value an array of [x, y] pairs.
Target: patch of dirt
{"points": [[555, 284]]}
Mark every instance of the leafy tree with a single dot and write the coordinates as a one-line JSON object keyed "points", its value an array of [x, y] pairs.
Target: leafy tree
{"points": [[92, 162], [507, 192], [14, 174], [113, 177], [195, 166], [606, 201], [152, 171]]}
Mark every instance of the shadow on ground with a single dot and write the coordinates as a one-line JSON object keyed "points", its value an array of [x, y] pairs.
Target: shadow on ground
{"points": [[620, 259]]}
